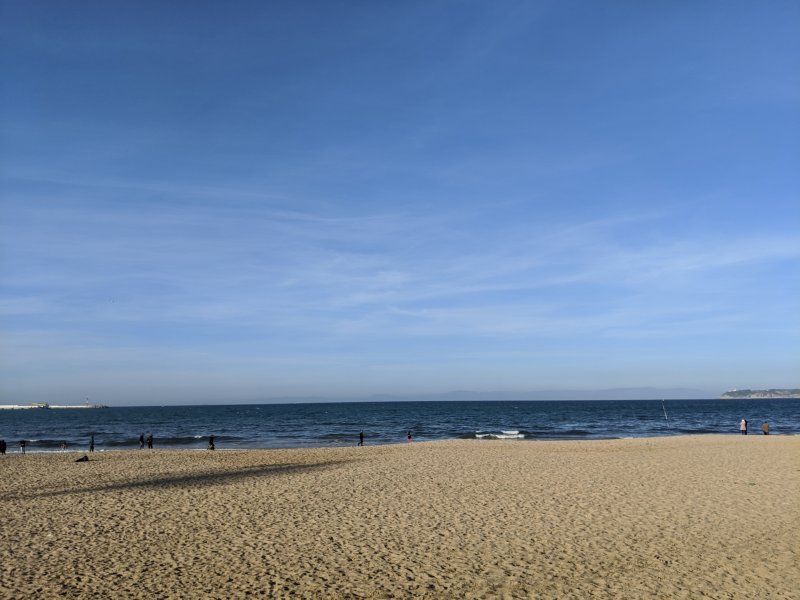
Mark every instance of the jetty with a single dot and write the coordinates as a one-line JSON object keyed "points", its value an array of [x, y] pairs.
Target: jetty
{"points": [[48, 406]]}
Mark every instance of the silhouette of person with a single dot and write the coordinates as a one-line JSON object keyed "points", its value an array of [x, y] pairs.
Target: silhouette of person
{"points": [[22, 444], [91, 444], [361, 438], [743, 426], [765, 428], [63, 445], [2, 446], [141, 441], [408, 437], [150, 441], [211, 443]]}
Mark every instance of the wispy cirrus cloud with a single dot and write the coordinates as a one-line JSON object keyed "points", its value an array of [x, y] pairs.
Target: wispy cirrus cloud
{"points": [[257, 261]]}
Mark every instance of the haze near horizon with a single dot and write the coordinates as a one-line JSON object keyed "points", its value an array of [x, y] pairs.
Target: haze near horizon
{"points": [[265, 200]]}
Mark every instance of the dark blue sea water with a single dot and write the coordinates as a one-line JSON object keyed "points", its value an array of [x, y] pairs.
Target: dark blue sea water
{"points": [[332, 424]]}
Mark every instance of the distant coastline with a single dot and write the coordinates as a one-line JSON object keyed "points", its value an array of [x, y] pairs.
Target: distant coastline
{"points": [[771, 394]]}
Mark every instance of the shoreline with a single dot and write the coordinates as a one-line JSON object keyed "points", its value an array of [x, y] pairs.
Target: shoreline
{"points": [[14, 448]]}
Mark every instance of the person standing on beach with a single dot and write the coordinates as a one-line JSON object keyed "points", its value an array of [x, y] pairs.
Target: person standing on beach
{"points": [[408, 437], [743, 426], [91, 444], [2, 447], [765, 428], [141, 441], [150, 441], [211, 443], [361, 438], [22, 444]]}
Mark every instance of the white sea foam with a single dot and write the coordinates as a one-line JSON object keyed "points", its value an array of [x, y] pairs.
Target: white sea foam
{"points": [[503, 435]]}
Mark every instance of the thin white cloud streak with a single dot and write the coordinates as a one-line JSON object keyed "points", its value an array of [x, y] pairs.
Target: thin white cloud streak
{"points": [[546, 321]]}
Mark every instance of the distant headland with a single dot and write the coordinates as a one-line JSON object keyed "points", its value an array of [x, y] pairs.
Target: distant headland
{"points": [[759, 394]]}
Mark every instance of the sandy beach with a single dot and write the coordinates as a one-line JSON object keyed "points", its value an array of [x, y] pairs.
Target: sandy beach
{"points": [[680, 517]]}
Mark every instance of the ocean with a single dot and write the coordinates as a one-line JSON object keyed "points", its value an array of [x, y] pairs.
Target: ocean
{"points": [[338, 424]]}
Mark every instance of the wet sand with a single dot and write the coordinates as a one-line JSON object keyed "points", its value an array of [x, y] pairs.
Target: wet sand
{"points": [[682, 517]]}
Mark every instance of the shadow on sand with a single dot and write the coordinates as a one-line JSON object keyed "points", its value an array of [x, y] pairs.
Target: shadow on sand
{"points": [[190, 480]]}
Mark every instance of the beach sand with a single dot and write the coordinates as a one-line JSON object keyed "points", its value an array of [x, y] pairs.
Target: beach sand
{"points": [[678, 517]]}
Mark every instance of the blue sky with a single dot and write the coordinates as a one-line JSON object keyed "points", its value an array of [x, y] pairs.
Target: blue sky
{"points": [[220, 202]]}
